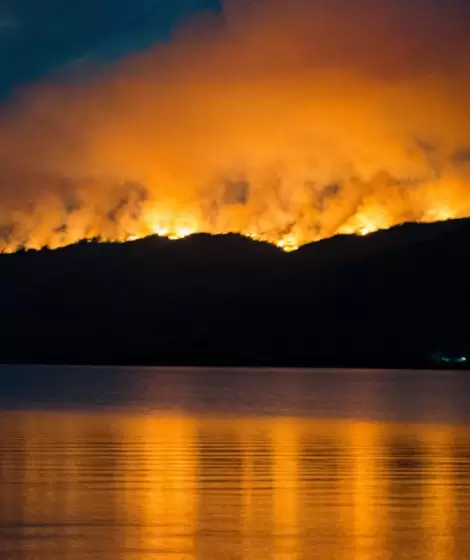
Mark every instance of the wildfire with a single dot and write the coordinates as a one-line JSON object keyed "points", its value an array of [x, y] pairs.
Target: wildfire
{"points": [[288, 244], [367, 230], [181, 233], [287, 122], [161, 221], [362, 224], [362, 230]]}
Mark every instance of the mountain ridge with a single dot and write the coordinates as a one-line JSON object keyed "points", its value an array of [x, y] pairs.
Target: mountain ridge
{"points": [[390, 299]]}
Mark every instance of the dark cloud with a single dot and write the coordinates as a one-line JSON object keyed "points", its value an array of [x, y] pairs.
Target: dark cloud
{"points": [[39, 37]]}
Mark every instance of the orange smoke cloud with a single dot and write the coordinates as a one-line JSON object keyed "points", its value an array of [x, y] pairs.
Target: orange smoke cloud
{"points": [[286, 121]]}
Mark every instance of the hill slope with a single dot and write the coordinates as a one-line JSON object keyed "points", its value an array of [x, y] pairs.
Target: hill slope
{"points": [[387, 300]]}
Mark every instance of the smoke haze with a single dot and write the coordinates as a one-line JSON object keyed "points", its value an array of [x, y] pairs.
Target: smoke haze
{"points": [[286, 121]]}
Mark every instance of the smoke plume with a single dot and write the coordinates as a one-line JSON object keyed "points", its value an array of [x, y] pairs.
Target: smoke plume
{"points": [[286, 121]]}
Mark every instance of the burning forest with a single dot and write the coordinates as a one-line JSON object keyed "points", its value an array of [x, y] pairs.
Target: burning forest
{"points": [[287, 122]]}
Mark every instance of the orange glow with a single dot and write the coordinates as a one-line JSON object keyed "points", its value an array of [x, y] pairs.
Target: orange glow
{"points": [[242, 487], [286, 122], [288, 243]]}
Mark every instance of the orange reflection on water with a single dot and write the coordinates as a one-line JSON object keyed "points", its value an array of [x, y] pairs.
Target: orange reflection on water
{"points": [[366, 488], [128, 486], [440, 513]]}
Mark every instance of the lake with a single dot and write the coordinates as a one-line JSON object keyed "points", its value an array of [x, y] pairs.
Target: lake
{"points": [[148, 463]]}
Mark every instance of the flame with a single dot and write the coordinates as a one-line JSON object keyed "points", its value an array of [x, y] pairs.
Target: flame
{"points": [[288, 244], [285, 122], [174, 228]]}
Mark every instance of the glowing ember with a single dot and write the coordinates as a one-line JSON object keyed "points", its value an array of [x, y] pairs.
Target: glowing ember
{"points": [[181, 233], [161, 231], [288, 244], [366, 230]]}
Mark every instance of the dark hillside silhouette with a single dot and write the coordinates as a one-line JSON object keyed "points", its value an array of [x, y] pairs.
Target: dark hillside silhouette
{"points": [[391, 299]]}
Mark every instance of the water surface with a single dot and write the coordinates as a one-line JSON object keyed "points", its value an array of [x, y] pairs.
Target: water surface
{"points": [[128, 464]]}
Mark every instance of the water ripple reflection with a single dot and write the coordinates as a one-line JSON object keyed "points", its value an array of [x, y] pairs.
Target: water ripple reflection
{"points": [[128, 486]]}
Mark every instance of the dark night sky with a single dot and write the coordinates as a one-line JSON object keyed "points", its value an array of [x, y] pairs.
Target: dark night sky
{"points": [[66, 37], [40, 37]]}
